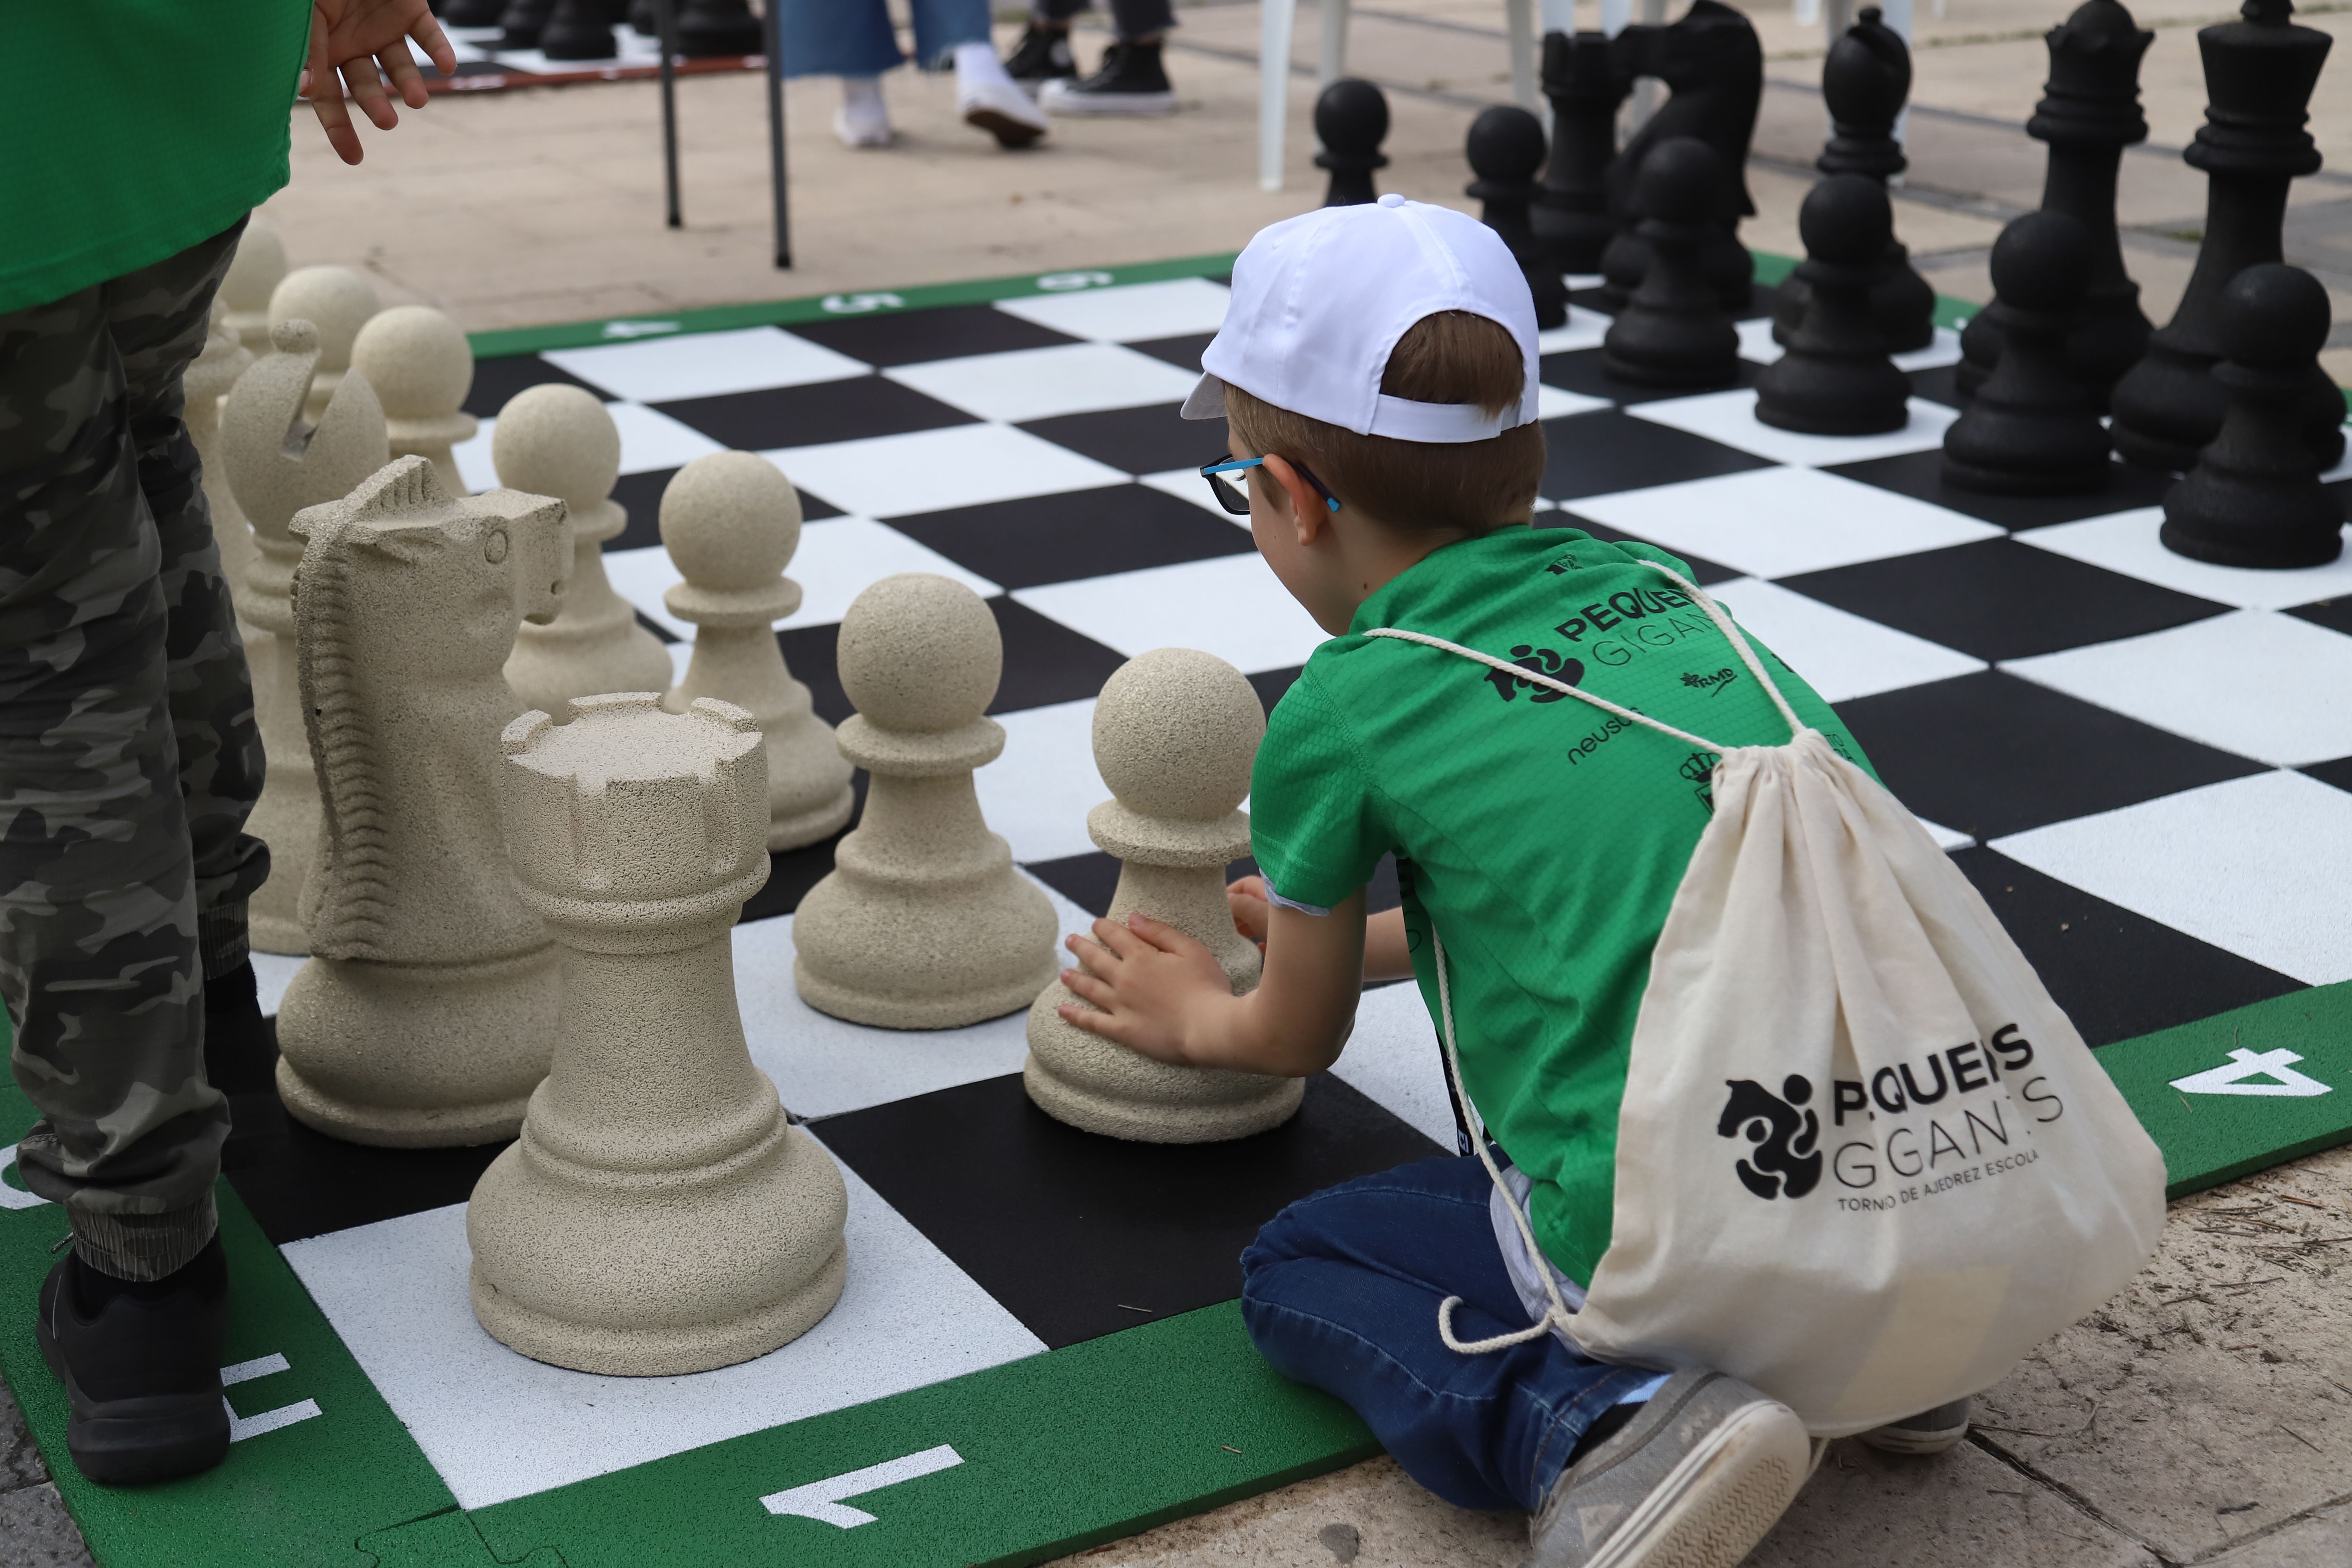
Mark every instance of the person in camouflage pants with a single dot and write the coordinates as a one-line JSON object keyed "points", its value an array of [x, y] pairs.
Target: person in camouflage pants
{"points": [[128, 761]]}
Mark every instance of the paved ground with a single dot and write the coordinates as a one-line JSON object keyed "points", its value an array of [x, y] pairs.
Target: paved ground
{"points": [[2206, 1416]]}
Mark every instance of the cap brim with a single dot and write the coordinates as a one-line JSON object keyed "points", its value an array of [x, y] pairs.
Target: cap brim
{"points": [[1207, 400]]}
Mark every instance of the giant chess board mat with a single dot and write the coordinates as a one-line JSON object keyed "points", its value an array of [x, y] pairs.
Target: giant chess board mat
{"points": [[2145, 764]]}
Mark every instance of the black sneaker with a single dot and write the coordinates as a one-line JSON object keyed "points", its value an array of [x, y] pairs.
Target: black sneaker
{"points": [[1131, 81], [1043, 56], [1929, 1432], [241, 1061], [141, 1365]]}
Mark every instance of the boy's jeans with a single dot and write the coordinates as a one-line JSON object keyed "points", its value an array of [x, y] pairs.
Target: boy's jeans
{"points": [[1342, 1292], [854, 37]]}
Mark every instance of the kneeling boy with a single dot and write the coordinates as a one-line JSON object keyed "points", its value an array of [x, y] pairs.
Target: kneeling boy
{"points": [[1378, 372]]}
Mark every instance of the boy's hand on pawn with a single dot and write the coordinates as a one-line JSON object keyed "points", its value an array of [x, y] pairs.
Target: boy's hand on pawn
{"points": [[366, 41], [1253, 910], [1151, 986]]}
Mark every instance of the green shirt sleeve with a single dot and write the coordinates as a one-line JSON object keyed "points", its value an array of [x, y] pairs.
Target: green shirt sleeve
{"points": [[1315, 824]]}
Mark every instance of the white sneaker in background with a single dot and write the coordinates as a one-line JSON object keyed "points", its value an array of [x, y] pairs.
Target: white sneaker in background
{"points": [[988, 98], [863, 119]]}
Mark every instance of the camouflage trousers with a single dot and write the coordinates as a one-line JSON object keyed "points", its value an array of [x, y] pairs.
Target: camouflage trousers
{"points": [[128, 761]]}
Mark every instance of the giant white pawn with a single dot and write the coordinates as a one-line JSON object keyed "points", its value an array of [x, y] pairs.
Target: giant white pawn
{"points": [[923, 922], [277, 465], [205, 382], [730, 522], [337, 302], [254, 274], [1175, 732], [421, 366], [558, 440], [659, 1216]]}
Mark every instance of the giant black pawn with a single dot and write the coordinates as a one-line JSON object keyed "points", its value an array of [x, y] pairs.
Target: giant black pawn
{"points": [[2254, 497], [579, 30], [523, 23], [1864, 82], [1506, 148], [2032, 427], [1351, 116], [1835, 379], [711, 29], [644, 18], [472, 13], [1570, 217], [1675, 331]]}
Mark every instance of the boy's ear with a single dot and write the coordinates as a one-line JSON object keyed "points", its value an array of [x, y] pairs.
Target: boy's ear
{"points": [[1306, 507]]}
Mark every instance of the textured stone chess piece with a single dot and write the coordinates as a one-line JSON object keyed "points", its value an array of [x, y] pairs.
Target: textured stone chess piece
{"points": [[2031, 428], [1570, 216], [2088, 114], [254, 274], [660, 1214], [1836, 379], [923, 924], [426, 1012], [421, 366], [730, 522], [1675, 331], [2259, 77], [580, 31], [1174, 735], [1506, 148], [707, 28], [1864, 82], [2254, 498], [1351, 116], [558, 440], [277, 465], [1713, 65], [337, 303]]}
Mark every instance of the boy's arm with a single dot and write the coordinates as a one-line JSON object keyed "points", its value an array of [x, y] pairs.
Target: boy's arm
{"points": [[1385, 954], [1163, 995]]}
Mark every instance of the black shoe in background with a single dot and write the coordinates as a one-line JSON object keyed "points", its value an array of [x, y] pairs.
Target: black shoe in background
{"points": [[241, 1061], [140, 1367], [1133, 81], [1042, 56]]}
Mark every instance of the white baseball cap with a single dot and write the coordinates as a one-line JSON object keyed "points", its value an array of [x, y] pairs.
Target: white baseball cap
{"points": [[1320, 300]]}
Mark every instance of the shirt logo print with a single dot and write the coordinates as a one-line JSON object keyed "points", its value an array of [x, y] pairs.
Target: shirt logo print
{"points": [[1543, 661]]}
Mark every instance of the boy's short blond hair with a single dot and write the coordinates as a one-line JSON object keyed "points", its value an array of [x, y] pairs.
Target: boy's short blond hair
{"points": [[1472, 487]]}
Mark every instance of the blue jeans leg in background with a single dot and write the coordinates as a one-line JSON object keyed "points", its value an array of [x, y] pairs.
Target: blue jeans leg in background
{"points": [[854, 37], [1340, 1291]]}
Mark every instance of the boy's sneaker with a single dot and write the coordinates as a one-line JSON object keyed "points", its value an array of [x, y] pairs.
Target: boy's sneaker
{"points": [[1131, 81], [1929, 1432], [1693, 1480], [141, 1365], [1042, 56], [241, 1061]]}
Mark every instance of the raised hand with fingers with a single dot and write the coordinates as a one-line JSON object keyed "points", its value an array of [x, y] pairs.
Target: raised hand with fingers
{"points": [[365, 43]]}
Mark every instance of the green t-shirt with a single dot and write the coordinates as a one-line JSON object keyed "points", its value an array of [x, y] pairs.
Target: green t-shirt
{"points": [[1544, 837], [134, 129]]}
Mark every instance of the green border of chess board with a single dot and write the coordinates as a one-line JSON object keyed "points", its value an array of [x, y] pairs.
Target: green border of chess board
{"points": [[496, 344], [1061, 1450]]}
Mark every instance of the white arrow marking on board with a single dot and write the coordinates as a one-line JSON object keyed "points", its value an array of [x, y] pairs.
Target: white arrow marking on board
{"points": [[16, 1197], [638, 329], [240, 1427], [820, 1501], [2236, 1075]]}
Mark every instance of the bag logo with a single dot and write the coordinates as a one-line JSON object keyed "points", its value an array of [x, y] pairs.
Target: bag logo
{"points": [[1543, 661], [1786, 1161]]}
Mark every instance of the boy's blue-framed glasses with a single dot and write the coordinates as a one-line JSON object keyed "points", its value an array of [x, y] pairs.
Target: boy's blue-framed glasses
{"points": [[1229, 482]]}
